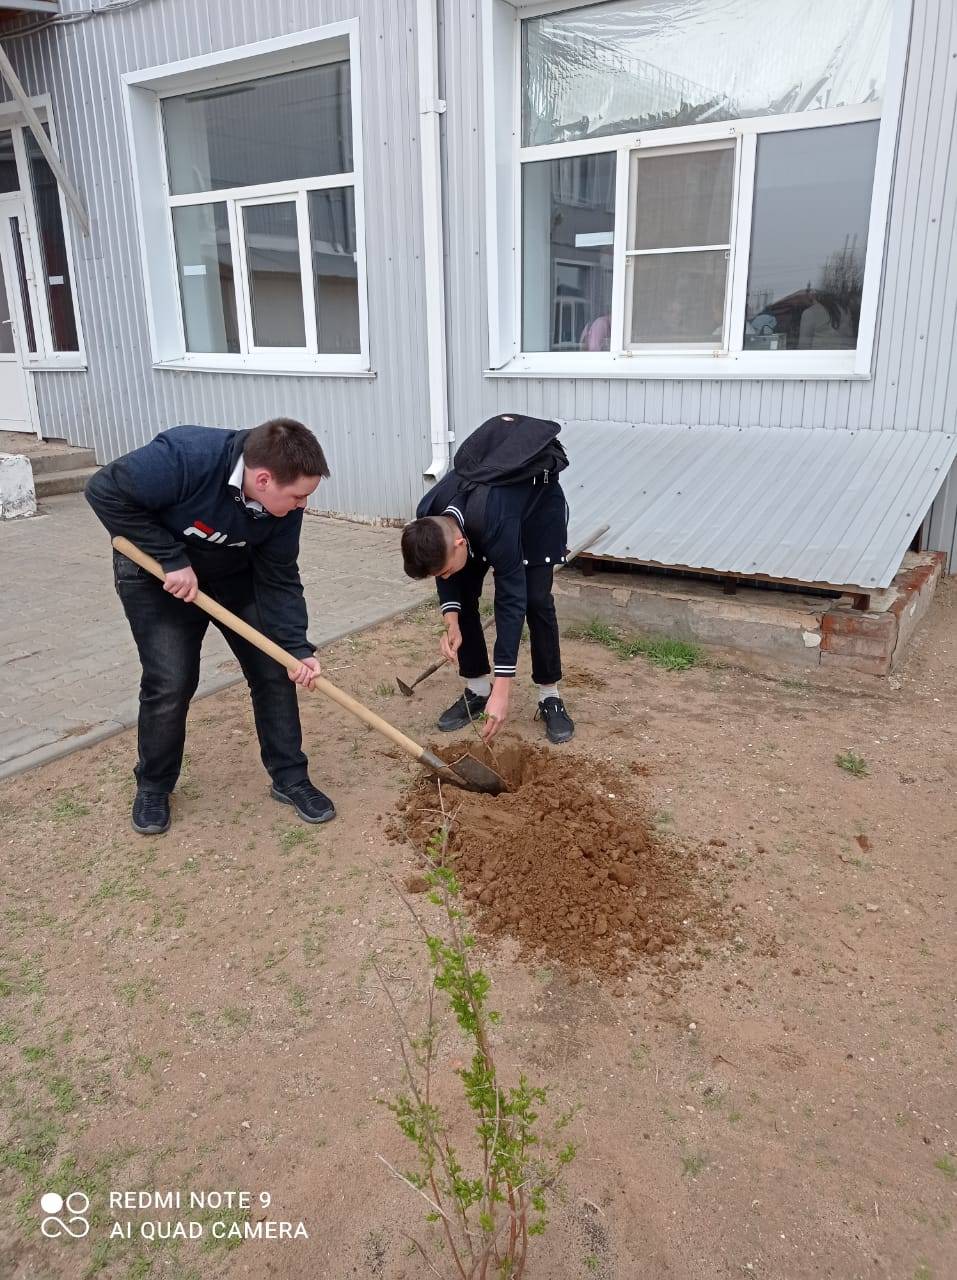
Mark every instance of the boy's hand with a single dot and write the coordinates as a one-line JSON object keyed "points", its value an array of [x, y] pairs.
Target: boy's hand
{"points": [[182, 584], [496, 709], [306, 672], [451, 642]]}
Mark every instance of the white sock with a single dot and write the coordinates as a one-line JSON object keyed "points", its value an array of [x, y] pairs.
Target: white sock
{"points": [[547, 691], [480, 685]]}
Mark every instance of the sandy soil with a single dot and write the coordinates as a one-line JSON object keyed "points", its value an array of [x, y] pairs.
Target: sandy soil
{"points": [[770, 1092]]}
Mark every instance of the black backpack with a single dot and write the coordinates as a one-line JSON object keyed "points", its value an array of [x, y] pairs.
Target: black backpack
{"points": [[505, 450]]}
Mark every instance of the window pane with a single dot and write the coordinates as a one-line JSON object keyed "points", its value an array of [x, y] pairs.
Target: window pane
{"points": [[8, 163], [683, 199], [20, 261], [206, 286], [568, 223], [7, 347], [275, 275], [812, 203], [297, 125], [679, 297], [649, 64], [332, 222], [46, 196]]}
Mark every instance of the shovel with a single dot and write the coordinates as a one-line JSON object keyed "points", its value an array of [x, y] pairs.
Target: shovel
{"points": [[430, 671], [466, 772]]}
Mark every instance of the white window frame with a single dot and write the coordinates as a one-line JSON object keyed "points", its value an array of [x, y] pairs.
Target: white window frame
{"points": [[45, 358], [144, 92], [505, 156]]}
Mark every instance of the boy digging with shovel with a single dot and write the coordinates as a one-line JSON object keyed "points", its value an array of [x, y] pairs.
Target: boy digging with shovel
{"points": [[221, 511], [500, 508]]}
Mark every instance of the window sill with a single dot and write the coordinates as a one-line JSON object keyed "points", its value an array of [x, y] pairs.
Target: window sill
{"points": [[793, 366], [289, 369], [67, 363]]}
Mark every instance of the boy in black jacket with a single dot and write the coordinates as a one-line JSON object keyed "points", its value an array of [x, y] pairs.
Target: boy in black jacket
{"points": [[221, 511], [500, 508]]}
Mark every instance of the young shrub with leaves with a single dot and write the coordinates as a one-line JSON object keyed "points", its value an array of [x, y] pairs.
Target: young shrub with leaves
{"points": [[491, 1200]]}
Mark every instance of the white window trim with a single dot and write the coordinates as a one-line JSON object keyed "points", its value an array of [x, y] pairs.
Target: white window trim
{"points": [[45, 358], [501, 54], [143, 94]]}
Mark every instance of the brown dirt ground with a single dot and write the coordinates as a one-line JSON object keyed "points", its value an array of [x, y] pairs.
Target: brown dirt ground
{"points": [[772, 1094]]}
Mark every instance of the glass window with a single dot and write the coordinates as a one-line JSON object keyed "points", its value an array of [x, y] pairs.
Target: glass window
{"points": [[679, 246], [275, 129], [650, 64], [7, 346], [275, 274], [56, 270], [20, 260], [8, 163], [335, 272], [206, 285], [812, 203], [568, 251]]}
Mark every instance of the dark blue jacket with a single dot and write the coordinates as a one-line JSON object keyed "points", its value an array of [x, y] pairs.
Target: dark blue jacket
{"points": [[172, 499], [521, 526]]}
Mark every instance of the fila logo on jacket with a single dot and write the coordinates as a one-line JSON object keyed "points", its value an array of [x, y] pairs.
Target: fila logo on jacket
{"points": [[200, 530]]}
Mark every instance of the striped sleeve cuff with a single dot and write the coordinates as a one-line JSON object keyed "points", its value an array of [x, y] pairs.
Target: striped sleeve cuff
{"points": [[504, 671], [451, 606]]}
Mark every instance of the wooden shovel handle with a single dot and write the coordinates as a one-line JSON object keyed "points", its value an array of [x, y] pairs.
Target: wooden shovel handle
{"points": [[285, 659]]}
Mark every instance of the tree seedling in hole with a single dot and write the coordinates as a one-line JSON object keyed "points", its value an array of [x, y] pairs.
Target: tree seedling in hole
{"points": [[491, 1200]]}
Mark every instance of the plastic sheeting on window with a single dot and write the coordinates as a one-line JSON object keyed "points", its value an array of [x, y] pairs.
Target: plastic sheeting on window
{"points": [[653, 64]]}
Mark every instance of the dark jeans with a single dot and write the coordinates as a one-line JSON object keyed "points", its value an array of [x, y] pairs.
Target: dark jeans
{"points": [[539, 614], [169, 636]]}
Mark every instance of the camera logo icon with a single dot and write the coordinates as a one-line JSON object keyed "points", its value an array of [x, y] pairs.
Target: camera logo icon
{"points": [[73, 1209]]}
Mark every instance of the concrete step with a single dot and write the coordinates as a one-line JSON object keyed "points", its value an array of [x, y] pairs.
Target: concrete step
{"points": [[55, 482], [66, 459]]}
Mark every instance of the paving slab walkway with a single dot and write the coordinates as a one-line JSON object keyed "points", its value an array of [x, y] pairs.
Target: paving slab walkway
{"points": [[69, 673]]}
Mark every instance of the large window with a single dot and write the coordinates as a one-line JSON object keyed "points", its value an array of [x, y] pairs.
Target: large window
{"points": [[31, 205], [694, 180], [261, 204]]}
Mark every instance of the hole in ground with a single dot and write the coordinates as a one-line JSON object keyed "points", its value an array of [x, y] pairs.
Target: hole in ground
{"points": [[566, 861]]}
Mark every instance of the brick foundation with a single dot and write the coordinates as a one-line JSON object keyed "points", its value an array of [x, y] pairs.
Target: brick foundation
{"points": [[797, 630]]}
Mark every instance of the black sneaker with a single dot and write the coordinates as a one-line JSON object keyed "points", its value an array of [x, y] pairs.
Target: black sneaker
{"points": [[559, 726], [150, 812], [307, 800], [462, 712]]}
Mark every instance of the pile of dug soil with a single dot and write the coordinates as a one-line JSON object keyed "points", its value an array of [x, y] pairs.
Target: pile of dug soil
{"points": [[565, 861]]}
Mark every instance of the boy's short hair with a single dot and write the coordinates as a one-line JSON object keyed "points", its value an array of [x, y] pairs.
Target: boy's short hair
{"points": [[425, 547], [286, 448]]}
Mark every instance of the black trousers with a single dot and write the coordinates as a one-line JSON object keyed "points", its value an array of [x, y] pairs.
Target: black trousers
{"points": [[169, 636], [539, 614]]}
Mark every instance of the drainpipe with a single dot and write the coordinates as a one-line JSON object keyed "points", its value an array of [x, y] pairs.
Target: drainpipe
{"points": [[431, 108]]}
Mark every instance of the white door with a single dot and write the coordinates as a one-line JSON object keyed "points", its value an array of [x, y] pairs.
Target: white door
{"points": [[16, 322]]}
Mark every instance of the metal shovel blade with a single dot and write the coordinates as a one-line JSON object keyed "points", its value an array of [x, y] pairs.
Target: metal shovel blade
{"points": [[466, 772], [403, 687]]}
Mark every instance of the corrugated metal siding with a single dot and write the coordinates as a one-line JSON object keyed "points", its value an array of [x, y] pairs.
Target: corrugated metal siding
{"points": [[914, 386], [376, 432], [837, 507]]}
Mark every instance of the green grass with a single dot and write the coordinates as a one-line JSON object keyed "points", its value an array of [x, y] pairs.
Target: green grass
{"points": [[292, 838], [236, 1017], [946, 1166], [63, 1093], [672, 655], [852, 763], [384, 689], [692, 1165], [67, 807]]}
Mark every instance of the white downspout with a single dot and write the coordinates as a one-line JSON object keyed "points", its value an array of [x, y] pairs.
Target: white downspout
{"points": [[431, 108]]}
